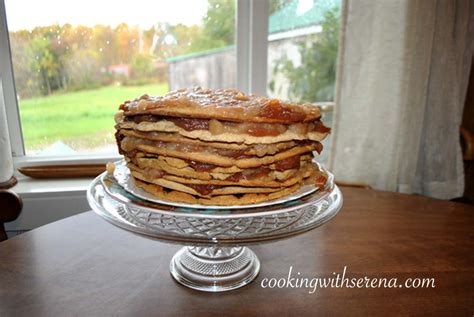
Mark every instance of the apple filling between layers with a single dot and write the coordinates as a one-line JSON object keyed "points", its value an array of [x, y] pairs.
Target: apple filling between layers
{"points": [[216, 127]]}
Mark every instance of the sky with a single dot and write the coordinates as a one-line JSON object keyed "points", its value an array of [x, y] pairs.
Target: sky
{"points": [[27, 14]]}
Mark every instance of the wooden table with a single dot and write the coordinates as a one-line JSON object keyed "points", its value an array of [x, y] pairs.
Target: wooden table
{"points": [[84, 266]]}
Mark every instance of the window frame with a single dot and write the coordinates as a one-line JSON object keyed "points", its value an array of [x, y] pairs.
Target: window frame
{"points": [[251, 47]]}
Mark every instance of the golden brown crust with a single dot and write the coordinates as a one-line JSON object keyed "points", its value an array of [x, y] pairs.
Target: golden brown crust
{"points": [[182, 168], [316, 179], [186, 188], [146, 174], [224, 161], [176, 138], [221, 200], [205, 135], [222, 104]]}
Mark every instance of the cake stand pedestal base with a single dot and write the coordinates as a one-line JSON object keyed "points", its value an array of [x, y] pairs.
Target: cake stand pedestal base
{"points": [[214, 269]]}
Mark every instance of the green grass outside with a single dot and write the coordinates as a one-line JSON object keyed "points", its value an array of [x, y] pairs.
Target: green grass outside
{"points": [[82, 119]]}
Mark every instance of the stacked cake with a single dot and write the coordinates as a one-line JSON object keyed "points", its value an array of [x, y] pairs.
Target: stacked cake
{"points": [[219, 147]]}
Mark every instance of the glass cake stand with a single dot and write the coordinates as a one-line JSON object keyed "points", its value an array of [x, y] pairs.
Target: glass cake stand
{"points": [[215, 257]]}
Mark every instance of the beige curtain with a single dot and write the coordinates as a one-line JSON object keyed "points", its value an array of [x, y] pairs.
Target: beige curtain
{"points": [[6, 160], [402, 79]]}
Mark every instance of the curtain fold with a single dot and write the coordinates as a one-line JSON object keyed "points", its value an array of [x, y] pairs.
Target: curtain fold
{"points": [[6, 160], [402, 79]]}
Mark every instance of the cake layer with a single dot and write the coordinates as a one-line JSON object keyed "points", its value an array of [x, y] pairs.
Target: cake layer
{"points": [[262, 177], [218, 127], [222, 104], [202, 190], [237, 148], [129, 146], [277, 171], [293, 132], [318, 179], [221, 200]]}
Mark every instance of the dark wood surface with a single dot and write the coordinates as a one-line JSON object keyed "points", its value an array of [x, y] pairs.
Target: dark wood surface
{"points": [[84, 266]]}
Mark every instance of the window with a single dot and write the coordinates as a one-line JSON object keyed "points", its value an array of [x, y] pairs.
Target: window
{"points": [[303, 41], [73, 66]]}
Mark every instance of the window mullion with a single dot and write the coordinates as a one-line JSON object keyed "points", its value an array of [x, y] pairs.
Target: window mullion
{"points": [[243, 42], [252, 45], [259, 47], [9, 91]]}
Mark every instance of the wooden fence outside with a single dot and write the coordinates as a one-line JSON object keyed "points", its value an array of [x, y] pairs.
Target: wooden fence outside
{"points": [[214, 70]]}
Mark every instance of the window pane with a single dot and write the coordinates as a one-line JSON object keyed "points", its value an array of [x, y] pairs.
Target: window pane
{"points": [[302, 51], [74, 65]]}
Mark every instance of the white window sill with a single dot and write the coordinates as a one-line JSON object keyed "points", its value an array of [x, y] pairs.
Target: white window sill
{"points": [[28, 187]]}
